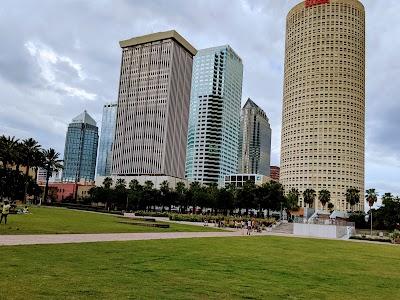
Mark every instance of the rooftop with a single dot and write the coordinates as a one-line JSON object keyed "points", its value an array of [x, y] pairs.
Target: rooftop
{"points": [[159, 36], [84, 118]]}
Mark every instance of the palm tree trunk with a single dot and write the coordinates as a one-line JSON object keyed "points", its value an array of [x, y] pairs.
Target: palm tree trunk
{"points": [[46, 189], [26, 181]]}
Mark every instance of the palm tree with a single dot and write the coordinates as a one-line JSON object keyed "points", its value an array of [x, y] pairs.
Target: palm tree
{"points": [[38, 162], [52, 162], [181, 193], [165, 191], [30, 147], [134, 185], [120, 183], [371, 197], [352, 197], [324, 197], [309, 196], [107, 182], [8, 150], [148, 190]]}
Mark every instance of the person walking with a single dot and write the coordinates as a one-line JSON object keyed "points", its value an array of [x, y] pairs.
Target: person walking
{"points": [[5, 211], [248, 227]]}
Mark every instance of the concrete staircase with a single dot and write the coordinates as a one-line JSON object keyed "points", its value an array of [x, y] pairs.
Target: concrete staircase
{"points": [[285, 228]]}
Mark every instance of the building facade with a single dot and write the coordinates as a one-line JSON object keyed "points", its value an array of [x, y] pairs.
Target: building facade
{"points": [[80, 149], [214, 122], [323, 122], [275, 173], [153, 106], [238, 180], [254, 141], [54, 177], [106, 139]]}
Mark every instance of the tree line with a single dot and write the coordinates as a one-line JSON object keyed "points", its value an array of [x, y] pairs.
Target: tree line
{"points": [[29, 154], [133, 196]]}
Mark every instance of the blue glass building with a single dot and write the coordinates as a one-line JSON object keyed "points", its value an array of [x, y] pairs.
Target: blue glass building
{"points": [[80, 149], [106, 139], [214, 119]]}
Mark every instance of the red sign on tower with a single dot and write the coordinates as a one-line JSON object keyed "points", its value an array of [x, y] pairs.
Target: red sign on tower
{"points": [[309, 3]]}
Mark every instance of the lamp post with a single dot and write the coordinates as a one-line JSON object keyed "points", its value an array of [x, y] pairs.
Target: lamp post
{"points": [[370, 208]]}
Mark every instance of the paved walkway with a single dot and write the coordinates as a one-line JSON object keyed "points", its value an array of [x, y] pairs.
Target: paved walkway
{"points": [[11, 240]]}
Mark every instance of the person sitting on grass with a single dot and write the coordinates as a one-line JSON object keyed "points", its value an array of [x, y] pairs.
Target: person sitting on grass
{"points": [[5, 211], [25, 210]]}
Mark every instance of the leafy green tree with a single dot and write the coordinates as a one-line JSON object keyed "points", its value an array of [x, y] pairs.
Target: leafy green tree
{"points": [[291, 201], [331, 206], [195, 194], [388, 215], [246, 196], [135, 194], [211, 196], [324, 196], [309, 197], [224, 200]]}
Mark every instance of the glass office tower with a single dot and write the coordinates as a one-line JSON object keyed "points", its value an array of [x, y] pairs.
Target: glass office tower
{"points": [[255, 140], [106, 139], [214, 120], [80, 149]]}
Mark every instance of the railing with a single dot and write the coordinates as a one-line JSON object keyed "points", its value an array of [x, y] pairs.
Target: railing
{"points": [[319, 221]]}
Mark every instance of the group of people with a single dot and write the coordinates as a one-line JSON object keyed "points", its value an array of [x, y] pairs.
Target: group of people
{"points": [[5, 210], [249, 226]]}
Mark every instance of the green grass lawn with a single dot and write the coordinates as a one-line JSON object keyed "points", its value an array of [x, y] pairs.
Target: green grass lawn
{"points": [[206, 268], [45, 220]]}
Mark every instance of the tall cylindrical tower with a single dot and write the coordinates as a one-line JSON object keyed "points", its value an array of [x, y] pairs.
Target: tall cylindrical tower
{"points": [[323, 121]]}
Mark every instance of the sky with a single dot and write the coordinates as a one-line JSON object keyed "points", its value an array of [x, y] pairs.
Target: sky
{"points": [[61, 57]]}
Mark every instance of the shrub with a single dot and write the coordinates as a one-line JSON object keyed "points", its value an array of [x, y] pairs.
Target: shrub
{"points": [[151, 214], [229, 221], [395, 237]]}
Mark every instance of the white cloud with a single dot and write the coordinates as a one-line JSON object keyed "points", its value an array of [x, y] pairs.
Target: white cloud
{"points": [[48, 61]]}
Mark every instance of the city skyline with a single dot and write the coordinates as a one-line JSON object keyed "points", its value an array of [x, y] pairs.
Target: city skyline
{"points": [[52, 76]]}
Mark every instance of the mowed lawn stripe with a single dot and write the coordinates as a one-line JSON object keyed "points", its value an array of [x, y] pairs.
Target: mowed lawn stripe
{"points": [[50, 220], [204, 268]]}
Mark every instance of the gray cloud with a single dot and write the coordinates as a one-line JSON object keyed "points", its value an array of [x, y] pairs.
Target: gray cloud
{"points": [[84, 35]]}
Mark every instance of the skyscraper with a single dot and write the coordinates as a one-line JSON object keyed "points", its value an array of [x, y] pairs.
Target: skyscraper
{"points": [[153, 106], [80, 149], [254, 141], [106, 139], [214, 122], [324, 99]]}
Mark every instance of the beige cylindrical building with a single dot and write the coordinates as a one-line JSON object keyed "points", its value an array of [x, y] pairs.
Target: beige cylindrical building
{"points": [[323, 121]]}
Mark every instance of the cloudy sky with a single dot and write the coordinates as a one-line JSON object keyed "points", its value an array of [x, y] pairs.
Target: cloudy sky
{"points": [[61, 57]]}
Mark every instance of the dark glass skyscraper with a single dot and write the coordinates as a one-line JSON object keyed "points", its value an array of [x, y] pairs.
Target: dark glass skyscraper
{"points": [[255, 140], [80, 149], [106, 139]]}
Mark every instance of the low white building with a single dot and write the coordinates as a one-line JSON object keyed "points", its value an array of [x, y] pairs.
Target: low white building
{"points": [[239, 179], [55, 176]]}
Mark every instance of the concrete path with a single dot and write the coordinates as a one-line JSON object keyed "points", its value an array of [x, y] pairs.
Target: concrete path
{"points": [[11, 240]]}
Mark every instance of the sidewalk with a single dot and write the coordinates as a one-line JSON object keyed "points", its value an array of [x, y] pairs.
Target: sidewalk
{"points": [[11, 240]]}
